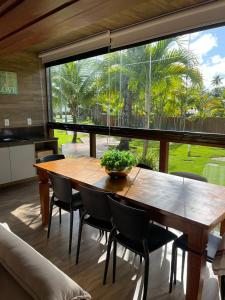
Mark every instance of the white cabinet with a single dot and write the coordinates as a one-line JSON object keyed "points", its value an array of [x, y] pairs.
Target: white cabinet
{"points": [[16, 163], [5, 168], [22, 159]]}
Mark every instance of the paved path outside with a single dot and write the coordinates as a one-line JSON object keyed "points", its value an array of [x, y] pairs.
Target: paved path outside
{"points": [[80, 149]]}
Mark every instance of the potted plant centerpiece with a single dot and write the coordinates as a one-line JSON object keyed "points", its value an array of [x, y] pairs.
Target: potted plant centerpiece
{"points": [[118, 163]]}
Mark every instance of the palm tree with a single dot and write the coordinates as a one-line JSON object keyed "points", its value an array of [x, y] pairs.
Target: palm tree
{"points": [[152, 72], [72, 85], [217, 82], [143, 79]]}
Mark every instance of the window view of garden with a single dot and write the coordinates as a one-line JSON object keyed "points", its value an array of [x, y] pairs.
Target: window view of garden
{"points": [[173, 84]]}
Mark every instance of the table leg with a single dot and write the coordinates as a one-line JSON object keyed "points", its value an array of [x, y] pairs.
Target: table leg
{"points": [[44, 195], [197, 242], [222, 228]]}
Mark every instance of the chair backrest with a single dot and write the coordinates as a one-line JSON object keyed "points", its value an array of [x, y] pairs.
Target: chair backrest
{"points": [[62, 188], [190, 175], [143, 166], [130, 222], [50, 158], [96, 203]]}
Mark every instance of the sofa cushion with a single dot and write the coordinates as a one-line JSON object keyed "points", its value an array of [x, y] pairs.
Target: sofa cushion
{"points": [[38, 276]]}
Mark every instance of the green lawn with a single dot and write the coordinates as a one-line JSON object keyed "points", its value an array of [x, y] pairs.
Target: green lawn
{"points": [[202, 160], [64, 138]]}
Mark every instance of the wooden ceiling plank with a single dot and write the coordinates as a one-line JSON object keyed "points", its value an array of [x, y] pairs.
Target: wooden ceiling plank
{"points": [[28, 13], [86, 17], [7, 5], [77, 16]]}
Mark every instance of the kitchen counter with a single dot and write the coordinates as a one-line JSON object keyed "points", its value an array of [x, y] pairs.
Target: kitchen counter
{"points": [[18, 156], [17, 141]]}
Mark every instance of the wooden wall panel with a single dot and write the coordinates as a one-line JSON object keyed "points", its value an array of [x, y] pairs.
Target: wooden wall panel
{"points": [[28, 102]]}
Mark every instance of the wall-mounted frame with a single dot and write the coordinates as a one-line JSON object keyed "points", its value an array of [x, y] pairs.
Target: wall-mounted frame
{"points": [[8, 83]]}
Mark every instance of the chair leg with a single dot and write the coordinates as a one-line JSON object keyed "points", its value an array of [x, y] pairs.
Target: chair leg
{"points": [[50, 219], [222, 287], [114, 260], [175, 268], [107, 259], [146, 276], [183, 262], [71, 231], [100, 234], [60, 216], [106, 237], [79, 239], [172, 267]]}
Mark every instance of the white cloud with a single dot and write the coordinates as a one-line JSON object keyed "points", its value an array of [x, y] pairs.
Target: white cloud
{"points": [[209, 70], [195, 35], [216, 59], [203, 45]]}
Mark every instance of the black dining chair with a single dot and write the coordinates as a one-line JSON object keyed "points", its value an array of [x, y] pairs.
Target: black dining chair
{"points": [[65, 198], [190, 176], [50, 157], [143, 166], [182, 241], [95, 212], [132, 229]]}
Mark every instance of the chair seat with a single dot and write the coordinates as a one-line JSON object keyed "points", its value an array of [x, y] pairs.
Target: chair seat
{"points": [[100, 224], [76, 202], [157, 237], [213, 244]]}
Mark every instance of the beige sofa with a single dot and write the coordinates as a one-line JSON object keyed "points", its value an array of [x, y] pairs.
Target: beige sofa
{"points": [[25, 274]]}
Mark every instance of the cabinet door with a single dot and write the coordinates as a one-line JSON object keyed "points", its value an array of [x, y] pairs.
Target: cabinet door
{"points": [[5, 171], [22, 159]]}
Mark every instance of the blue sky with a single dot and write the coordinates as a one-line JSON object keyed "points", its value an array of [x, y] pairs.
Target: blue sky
{"points": [[219, 34], [209, 46]]}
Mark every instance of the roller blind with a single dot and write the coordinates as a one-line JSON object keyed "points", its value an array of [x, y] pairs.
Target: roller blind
{"points": [[204, 15], [92, 43]]}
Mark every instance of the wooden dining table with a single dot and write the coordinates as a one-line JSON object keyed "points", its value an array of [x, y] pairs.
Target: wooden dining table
{"points": [[190, 206]]}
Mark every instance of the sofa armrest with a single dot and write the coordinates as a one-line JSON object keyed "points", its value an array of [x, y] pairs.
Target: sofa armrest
{"points": [[38, 276]]}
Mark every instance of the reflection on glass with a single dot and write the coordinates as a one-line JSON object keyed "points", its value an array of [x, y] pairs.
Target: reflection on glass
{"points": [[205, 161], [68, 147]]}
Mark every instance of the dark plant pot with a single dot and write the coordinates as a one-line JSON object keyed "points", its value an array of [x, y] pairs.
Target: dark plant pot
{"points": [[118, 173]]}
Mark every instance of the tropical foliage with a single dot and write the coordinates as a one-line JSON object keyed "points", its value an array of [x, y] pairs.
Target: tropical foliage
{"points": [[144, 87]]}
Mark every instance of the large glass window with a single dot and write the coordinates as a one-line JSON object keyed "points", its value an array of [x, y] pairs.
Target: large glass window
{"points": [[175, 84]]}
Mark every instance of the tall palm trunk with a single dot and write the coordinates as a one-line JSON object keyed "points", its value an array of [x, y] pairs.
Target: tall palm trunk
{"points": [[74, 140], [127, 112], [148, 87]]}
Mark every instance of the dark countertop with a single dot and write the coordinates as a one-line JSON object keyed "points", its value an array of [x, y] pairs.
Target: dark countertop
{"points": [[19, 142]]}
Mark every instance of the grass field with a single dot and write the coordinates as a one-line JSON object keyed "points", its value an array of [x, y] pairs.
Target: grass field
{"points": [[206, 161], [64, 138]]}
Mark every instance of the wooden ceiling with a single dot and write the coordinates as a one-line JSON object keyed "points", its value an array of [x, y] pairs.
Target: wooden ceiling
{"points": [[44, 24]]}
